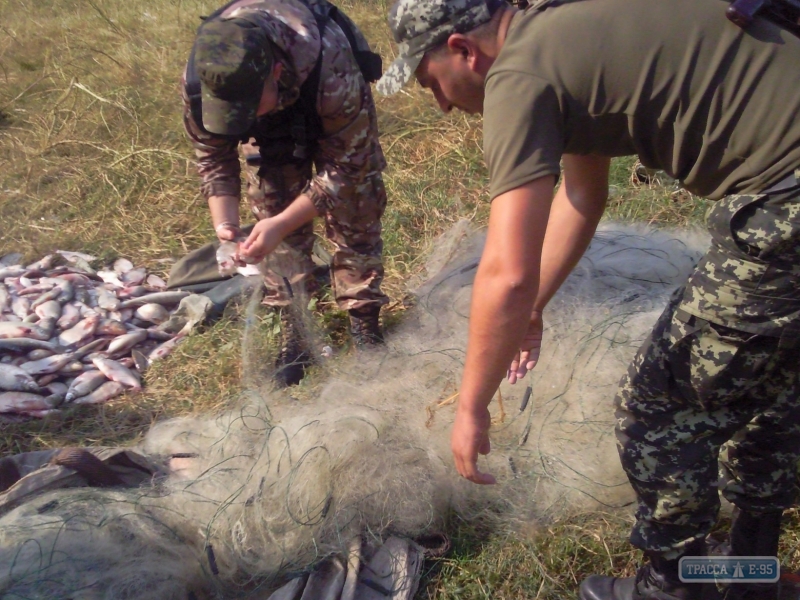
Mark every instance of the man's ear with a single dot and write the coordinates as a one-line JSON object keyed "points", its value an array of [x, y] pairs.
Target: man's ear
{"points": [[462, 45]]}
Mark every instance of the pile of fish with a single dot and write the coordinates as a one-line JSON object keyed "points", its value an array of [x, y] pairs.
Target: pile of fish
{"points": [[70, 334]]}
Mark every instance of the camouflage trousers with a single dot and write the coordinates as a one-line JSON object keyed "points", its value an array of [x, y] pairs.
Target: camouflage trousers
{"points": [[711, 402], [353, 227]]}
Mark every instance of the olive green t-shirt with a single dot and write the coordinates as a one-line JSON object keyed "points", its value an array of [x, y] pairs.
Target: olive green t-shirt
{"points": [[673, 81]]}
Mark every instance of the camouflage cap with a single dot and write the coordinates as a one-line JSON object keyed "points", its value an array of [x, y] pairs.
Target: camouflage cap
{"points": [[421, 25], [233, 58]]}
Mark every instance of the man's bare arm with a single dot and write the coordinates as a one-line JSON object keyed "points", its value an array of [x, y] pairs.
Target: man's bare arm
{"points": [[502, 299], [525, 232], [577, 208], [225, 216], [575, 213]]}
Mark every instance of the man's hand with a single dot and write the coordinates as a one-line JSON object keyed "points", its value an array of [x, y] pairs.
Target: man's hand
{"points": [[228, 232], [264, 238], [470, 437], [529, 348]]}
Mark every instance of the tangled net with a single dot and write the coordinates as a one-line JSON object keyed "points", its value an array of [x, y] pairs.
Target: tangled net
{"points": [[253, 496]]}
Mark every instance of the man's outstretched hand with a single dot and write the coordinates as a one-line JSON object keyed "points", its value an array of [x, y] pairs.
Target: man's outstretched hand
{"points": [[470, 437], [528, 355]]}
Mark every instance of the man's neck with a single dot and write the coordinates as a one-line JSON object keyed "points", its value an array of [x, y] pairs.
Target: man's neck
{"points": [[491, 50]]}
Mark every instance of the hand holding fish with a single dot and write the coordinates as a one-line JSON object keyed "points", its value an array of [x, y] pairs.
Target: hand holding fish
{"points": [[265, 237]]}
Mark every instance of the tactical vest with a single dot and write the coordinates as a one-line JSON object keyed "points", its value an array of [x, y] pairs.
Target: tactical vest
{"points": [[289, 135]]}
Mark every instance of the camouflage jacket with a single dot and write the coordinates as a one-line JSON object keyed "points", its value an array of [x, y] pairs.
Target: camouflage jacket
{"points": [[348, 151]]}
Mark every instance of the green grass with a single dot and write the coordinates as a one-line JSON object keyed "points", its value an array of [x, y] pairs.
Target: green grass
{"points": [[93, 158]]}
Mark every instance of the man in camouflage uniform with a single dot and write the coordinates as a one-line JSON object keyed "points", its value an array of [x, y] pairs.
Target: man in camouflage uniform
{"points": [[716, 387], [252, 61]]}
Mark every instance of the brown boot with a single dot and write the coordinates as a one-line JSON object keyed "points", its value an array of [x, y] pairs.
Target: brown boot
{"points": [[365, 327], [293, 358], [657, 580]]}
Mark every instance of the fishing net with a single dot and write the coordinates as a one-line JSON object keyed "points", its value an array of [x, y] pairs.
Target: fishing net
{"points": [[254, 496]]}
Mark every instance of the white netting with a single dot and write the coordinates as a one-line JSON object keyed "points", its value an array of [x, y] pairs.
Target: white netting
{"points": [[270, 488]]}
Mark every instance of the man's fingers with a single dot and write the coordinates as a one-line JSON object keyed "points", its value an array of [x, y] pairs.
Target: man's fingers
{"points": [[469, 470]]}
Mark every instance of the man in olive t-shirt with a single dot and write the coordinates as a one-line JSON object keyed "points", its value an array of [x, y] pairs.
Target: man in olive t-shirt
{"points": [[563, 87]]}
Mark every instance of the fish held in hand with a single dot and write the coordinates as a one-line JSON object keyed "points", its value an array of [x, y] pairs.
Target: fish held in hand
{"points": [[229, 258]]}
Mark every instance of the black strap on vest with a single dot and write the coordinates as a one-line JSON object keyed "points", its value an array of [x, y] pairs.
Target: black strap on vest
{"points": [[301, 118]]}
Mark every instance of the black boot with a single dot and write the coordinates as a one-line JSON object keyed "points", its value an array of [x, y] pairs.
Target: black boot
{"points": [[657, 580], [365, 327], [293, 358], [753, 534]]}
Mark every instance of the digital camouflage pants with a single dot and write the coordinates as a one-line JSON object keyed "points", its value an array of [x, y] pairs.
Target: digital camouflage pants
{"points": [[353, 227], [711, 402]]}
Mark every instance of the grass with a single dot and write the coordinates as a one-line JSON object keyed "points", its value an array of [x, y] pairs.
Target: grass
{"points": [[93, 158]]}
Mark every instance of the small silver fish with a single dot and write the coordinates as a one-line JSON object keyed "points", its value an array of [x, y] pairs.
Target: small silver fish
{"points": [[44, 264], [111, 327], [82, 331], [122, 266], [39, 353], [164, 349], [70, 256], [125, 342], [21, 306], [50, 309], [23, 402], [107, 299], [104, 393], [154, 281], [27, 344], [12, 271], [163, 298], [15, 379], [5, 298], [70, 315], [229, 258], [45, 366], [67, 291], [85, 383], [14, 329], [133, 291], [117, 372], [111, 278], [134, 276], [152, 313]]}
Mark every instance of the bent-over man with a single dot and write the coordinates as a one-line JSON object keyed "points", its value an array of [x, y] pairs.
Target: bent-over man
{"points": [[286, 81], [575, 83]]}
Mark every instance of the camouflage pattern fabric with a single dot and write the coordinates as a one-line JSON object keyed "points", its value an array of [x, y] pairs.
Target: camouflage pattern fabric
{"points": [[421, 25], [354, 227], [348, 160], [711, 403]]}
